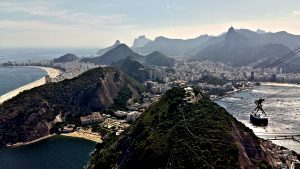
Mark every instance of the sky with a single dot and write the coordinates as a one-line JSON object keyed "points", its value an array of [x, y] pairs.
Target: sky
{"points": [[99, 23]]}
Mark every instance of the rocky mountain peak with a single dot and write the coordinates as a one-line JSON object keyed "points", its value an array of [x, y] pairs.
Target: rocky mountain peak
{"points": [[140, 41]]}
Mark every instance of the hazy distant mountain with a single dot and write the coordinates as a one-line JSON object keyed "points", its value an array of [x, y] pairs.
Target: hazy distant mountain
{"points": [[140, 42], [191, 47], [103, 51], [172, 47], [120, 52], [238, 50], [131, 67], [66, 58], [159, 59], [260, 31], [211, 40], [287, 39]]}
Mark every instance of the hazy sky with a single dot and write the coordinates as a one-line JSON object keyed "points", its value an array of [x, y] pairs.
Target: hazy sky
{"points": [[98, 23]]}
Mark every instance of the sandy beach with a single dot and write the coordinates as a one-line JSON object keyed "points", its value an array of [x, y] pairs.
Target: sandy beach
{"points": [[86, 135], [279, 84], [50, 71]]}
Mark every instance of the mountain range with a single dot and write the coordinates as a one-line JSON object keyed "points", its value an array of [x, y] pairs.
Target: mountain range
{"points": [[172, 47], [239, 47], [122, 51], [238, 50], [190, 47]]}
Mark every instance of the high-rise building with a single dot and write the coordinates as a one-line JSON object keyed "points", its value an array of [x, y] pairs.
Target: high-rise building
{"points": [[142, 75], [151, 74], [252, 76], [273, 78]]}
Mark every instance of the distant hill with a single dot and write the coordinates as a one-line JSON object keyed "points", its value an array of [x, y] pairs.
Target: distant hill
{"points": [[159, 59], [120, 52], [131, 67], [140, 42], [66, 58], [191, 47], [30, 115], [171, 47], [103, 51], [265, 38], [170, 134], [239, 50]]}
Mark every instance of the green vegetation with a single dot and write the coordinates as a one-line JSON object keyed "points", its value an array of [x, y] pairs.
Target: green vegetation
{"points": [[131, 67], [171, 135], [123, 96], [101, 130], [28, 115], [159, 59]]}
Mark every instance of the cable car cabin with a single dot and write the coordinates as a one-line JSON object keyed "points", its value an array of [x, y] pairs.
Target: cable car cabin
{"points": [[258, 119]]}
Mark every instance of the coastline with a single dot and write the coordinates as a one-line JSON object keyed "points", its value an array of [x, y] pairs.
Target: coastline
{"points": [[20, 144], [77, 134], [85, 135], [50, 71], [279, 84]]}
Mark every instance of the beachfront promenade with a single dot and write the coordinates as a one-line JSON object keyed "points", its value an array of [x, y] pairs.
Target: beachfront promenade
{"points": [[50, 71]]}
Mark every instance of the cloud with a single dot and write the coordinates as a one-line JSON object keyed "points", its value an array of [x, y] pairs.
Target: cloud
{"points": [[32, 25], [297, 13], [50, 11]]}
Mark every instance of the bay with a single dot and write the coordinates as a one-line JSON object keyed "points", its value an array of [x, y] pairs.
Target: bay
{"points": [[14, 77], [58, 152], [282, 105]]}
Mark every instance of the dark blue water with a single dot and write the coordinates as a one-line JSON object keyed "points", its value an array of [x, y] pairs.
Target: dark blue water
{"points": [[14, 77], [57, 152]]}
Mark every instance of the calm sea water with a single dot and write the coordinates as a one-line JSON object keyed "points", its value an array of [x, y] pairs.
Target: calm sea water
{"points": [[37, 54], [282, 106], [57, 152], [14, 77]]}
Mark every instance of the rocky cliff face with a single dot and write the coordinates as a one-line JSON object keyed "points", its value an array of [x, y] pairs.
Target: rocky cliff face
{"points": [[30, 115]]}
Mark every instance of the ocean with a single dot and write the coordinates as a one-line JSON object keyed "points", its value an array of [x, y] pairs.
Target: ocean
{"points": [[14, 77], [37, 54], [282, 105], [58, 152]]}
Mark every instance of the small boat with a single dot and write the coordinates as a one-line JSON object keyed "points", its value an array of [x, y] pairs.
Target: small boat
{"points": [[258, 119]]}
